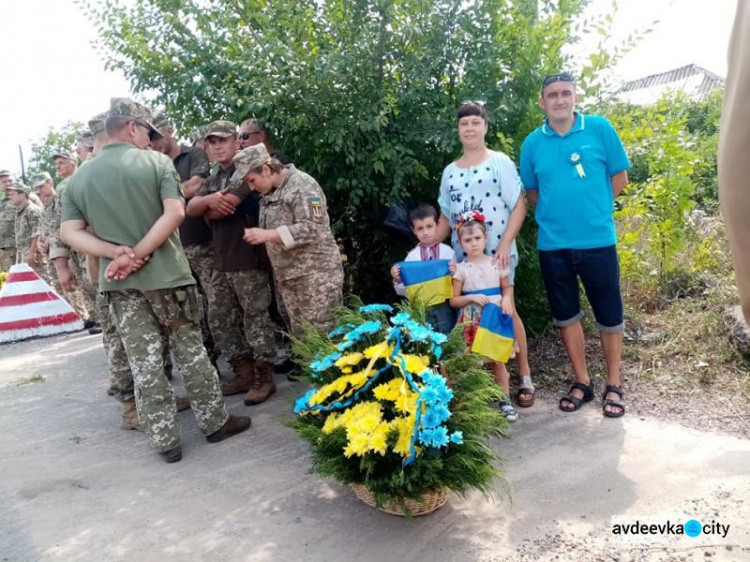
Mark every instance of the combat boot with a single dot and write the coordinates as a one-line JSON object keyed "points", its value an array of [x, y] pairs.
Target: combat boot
{"points": [[244, 375], [181, 403], [129, 417], [173, 455], [263, 385], [234, 425]]}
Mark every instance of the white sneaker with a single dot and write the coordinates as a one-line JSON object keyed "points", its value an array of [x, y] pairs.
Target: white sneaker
{"points": [[508, 411]]}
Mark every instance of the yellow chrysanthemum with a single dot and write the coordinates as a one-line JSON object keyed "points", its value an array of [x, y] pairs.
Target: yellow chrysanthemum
{"points": [[381, 349], [405, 427], [350, 359], [415, 364]]}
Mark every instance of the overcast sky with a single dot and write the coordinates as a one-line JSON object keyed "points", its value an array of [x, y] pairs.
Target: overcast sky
{"points": [[52, 75]]}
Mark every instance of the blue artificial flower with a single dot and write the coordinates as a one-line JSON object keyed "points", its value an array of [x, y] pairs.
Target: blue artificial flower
{"points": [[326, 363], [429, 395], [435, 415], [440, 437], [419, 332], [346, 344], [400, 318], [302, 402], [445, 394], [340, 330], [369, 327], [457, 437], [437, 337], [376, 308], [437, 437]]}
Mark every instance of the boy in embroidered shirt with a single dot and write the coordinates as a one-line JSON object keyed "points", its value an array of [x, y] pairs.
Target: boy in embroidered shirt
{"points": [[424, 225]]}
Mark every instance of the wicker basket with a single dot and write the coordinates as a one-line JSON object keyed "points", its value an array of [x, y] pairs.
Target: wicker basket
{"points": [[430, 502]]}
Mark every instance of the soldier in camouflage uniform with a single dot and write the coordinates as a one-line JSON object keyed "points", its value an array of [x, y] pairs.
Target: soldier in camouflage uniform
{"points": [[121, 382], [45, 189], [239, 292], [26, 225], [295, 228], [70, 264], [160, 297], [84, 145], [7, 224], [193, 168]]}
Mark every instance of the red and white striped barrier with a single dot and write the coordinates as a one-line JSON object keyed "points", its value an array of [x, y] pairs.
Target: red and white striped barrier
{"points": [[30, 308]]}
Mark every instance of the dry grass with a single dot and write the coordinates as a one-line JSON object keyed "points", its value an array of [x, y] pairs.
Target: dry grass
{"points": [[678, 362]]}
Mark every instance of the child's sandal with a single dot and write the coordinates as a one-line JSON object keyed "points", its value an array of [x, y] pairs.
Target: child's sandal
{"points": [[525, 394]]}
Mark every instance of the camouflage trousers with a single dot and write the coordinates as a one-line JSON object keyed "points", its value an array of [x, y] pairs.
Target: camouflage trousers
{"points": [[201, 259], [238, 303], [120, 374], [49, 274], [311, 299], [142, 318], [86, 289], [7, 259]]}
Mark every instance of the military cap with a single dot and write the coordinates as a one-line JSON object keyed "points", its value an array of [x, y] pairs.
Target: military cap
{"points": [[161, 121], [198, 133], [96, 123], [221, 129], [249, 159], [85, 137], [21, 187], [39, 179], [127, 107], [64, 154], [4, 173]]}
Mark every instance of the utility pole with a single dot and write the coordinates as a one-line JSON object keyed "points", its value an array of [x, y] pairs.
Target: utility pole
{"points": [[23, 168]]}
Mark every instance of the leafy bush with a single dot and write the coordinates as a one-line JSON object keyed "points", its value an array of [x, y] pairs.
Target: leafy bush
{"points": [[672, 147]]}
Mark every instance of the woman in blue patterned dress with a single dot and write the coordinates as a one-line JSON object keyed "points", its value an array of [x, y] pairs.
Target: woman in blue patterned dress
{"points": [[487, 181]]}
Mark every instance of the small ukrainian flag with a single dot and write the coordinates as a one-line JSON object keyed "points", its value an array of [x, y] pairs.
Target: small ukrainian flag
{"points": [[495, 337], [427, 281]]}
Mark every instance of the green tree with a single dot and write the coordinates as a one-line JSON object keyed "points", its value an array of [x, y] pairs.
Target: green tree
{"points": [[62, 138], [654, 207], [361, 93]]}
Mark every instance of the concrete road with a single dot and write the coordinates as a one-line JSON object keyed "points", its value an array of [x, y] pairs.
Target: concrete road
{"points": [[75, 487]]}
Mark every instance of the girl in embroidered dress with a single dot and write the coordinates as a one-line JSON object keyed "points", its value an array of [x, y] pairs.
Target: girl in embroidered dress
{"points": [[478, 280]]}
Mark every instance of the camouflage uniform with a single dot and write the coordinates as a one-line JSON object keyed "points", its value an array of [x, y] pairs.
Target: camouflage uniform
{"points": [[50, 274], [120, 375], [238, 301], [84, 297], [307, 263], [26, 227], [142, 317], [7, 233], [158, 299]]}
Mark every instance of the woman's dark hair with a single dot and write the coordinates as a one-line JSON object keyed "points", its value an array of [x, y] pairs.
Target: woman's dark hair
{"points": [[421, 212], [472, 108]]}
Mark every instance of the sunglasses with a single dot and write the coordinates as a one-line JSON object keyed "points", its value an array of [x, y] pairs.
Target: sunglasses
{"points": [[560, 77], [245, 136]]}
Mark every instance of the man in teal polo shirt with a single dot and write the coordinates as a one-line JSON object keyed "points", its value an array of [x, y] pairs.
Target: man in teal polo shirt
{"points": [[573, 167], [131, 200]]}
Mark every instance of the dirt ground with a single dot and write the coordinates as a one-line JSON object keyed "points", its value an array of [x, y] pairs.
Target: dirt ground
{"points": [[75, 487]]}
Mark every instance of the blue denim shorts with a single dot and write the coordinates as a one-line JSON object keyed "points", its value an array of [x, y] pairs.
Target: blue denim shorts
{"points": [[441, 317], [598, 270]]}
